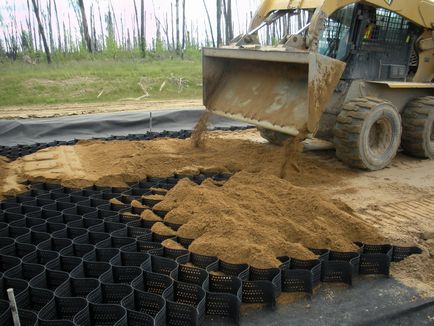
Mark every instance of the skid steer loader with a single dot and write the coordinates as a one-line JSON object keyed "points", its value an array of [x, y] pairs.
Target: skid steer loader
{"points": [[359, 73]]}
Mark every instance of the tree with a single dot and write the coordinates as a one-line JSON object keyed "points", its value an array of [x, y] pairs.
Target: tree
{"points": [[41, 31], [29, 26], [209, 22], [228, 21], [178, 43], [142, 29], [110, 38], [102, 26], [173, 25], [59, 36], [85, 26], [136, 16], [219, 22], [183, 27], [2, 51], [50, 25]]}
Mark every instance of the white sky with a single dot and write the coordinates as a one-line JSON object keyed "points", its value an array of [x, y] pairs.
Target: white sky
{"points": [[195, 14]]}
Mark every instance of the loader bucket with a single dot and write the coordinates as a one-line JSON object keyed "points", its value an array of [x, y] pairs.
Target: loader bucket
{"points": [[278, 90]]}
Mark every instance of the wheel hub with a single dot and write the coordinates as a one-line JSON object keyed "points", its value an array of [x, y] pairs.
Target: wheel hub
{"points": [[380, 136]]}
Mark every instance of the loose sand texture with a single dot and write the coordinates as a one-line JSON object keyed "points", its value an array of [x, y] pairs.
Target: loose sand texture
{"points": [[171, 244], [254, 218], [150, 216], [137, 204], [9, 179], [256, 215], [118, 162], [161, 229]]}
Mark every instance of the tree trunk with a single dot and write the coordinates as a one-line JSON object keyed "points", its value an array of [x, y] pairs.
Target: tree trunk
{"points": [[142, 29], [183, 27], [228, 19], [29, 27], [41, 31], [166, 30], [59, 36], [210, 24], [178, 43], [93, 30], [86, 33], [137, 28], [115, 23], [50, 25], [122, 33], [102, 27], [172, 20], [65, 39], [219, 22]]}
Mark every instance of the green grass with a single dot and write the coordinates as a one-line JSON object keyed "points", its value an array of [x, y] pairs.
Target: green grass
{"points": [[111, 80]]}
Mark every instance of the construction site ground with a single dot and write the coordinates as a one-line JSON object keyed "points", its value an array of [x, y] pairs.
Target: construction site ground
{"points": [[61, 110], [398, 202]]}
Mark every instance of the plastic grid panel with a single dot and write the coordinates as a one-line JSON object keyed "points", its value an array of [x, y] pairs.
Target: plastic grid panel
{"points": [[72, 259]]}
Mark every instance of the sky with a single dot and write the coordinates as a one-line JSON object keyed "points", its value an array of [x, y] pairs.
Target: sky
{"points": [[195, 14]]}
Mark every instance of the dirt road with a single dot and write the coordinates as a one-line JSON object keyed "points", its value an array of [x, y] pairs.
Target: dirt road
{"points": [[58, 110]]}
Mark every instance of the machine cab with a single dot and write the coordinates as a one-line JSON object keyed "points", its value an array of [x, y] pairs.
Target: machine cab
{"points": [[376, 44]]}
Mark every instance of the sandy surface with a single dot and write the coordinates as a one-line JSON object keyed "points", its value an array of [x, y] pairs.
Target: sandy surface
{"points": [[397, 202], [58, 110]]}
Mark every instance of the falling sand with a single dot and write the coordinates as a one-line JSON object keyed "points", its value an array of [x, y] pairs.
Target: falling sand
{"points": [[198, 136], [292, 149]]}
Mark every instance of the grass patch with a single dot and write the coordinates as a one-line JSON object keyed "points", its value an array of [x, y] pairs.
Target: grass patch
{"points": [[100, 80]]}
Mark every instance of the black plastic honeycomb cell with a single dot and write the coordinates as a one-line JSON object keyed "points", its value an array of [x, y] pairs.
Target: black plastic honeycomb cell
{"points": [[75, 258]]}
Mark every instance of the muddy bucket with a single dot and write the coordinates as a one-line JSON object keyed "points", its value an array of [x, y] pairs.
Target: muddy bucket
{"points": [[278, 90]]}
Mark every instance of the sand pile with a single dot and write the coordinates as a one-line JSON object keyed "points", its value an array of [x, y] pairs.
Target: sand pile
{"points": [[161, 229], [9, 179], [150, 216], [255, 218], [171, 244], [417, 271], [3, 173], [118, 162]]}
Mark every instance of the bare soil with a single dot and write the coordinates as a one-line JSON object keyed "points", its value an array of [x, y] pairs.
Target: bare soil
{"points": [[396, 203], [59, 110]]}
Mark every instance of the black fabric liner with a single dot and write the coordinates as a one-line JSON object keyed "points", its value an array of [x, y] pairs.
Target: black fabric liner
{"points": [[31, 131], [75, 259]]}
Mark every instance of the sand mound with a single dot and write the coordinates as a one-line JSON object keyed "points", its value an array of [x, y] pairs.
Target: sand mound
{"points": [[116, 201], [161, 229], [170, 244], [255, 218], [177, 195], [9, 179], [137, 204], [116, 163], [150, 216]]}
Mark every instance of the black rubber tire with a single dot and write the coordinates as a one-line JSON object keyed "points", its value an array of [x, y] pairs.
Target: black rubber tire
{"points": [[367, 133], [418, 124], [274, 137]]}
